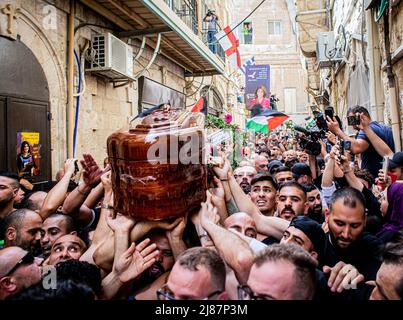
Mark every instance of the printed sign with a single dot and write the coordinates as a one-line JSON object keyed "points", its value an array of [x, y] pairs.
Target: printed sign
{"points": [[28, 154], [257, 91]]}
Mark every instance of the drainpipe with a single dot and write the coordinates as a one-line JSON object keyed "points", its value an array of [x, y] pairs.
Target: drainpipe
{"points": [[70, 81], [377, 97], [394, 112]]}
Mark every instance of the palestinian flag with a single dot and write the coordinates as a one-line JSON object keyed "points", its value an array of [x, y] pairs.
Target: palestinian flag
{"points": [[267, 120]]}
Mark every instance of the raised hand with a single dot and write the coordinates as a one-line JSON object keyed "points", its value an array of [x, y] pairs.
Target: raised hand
{"points": [[343, 277], [91, 171], [332, 124], [176, 233], [69, 166], [135, 260], [107, 181], [119, 223]]}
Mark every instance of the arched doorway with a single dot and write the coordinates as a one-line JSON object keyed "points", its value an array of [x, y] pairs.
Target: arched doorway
{"points": [[24, 111]]}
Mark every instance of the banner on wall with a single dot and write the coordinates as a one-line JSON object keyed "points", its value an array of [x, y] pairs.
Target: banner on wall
{"points": [[28, 154], [257, 88]]}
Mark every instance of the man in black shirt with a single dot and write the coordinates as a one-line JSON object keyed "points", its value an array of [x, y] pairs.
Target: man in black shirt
{"points": [[346, 241]]}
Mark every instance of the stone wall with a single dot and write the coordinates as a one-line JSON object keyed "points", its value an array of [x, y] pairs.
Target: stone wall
{"points": [[103, 108]]}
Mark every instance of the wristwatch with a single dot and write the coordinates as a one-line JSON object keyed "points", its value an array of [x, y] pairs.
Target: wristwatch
{"points": [[107, 206]]}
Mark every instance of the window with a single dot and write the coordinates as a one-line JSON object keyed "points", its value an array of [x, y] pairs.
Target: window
{"points": [[247, 33], [290, 100], [275, 28]]}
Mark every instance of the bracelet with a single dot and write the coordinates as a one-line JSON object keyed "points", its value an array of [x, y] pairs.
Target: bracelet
{"points": [[107, 206], [224, 179]]}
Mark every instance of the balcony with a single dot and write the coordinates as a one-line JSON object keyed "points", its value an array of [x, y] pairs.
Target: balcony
{"points": [[176, 23], [187, 11]]}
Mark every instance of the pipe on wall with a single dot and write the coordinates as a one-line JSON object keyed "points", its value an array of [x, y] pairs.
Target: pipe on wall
{"points": [[70, 80]]}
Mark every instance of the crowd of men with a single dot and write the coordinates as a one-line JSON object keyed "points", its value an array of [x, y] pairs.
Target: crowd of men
{"points": [[284, 225]]}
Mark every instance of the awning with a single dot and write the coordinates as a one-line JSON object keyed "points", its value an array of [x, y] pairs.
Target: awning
{"points": [[179, 43]]}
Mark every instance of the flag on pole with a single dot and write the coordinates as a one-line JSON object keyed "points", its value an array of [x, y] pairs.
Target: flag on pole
{"points": [[200, 106], [249, 62], [265, 121], [230, 44]]}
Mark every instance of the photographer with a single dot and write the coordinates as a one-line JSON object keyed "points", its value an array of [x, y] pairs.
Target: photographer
{"points": [[373, 140], [212, 20]]}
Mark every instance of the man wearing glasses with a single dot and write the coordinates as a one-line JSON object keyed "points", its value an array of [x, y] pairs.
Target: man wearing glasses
{"points": [[18, 270], [281, 272], [198, 274]]}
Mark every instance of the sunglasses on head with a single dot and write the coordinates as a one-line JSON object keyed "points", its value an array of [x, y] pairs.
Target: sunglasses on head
{"points": [[27, 259]]}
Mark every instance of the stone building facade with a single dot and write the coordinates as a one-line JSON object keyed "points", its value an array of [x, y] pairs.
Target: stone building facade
{"points": [[274, 42], [42, 26]]}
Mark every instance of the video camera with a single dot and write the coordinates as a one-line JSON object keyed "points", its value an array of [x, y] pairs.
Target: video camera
{"points": [[309, 141]]}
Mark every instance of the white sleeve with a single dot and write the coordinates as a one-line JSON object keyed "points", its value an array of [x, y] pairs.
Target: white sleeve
{"points": [[328, 192], [257, 246]]}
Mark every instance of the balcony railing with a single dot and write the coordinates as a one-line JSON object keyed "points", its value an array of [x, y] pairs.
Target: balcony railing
{"points": [[186, 10]]}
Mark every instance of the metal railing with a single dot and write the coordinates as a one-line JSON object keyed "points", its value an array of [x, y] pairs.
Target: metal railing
{"points": [[187, 11]]}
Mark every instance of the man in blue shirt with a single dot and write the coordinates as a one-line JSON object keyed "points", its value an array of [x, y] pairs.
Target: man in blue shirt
{"points": [[373, 141]]}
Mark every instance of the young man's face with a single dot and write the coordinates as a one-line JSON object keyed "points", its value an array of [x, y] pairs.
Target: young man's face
{"points": [[314, 201], [291, 201], [263, 195], [7, 190], [345, 224]]}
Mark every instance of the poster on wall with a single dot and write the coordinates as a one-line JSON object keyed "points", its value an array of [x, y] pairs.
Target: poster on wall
{"points": [[28, 154], [257, 89]]}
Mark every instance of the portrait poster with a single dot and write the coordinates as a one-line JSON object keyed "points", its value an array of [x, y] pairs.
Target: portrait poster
{"points": [[28, 154], [257, 77]]}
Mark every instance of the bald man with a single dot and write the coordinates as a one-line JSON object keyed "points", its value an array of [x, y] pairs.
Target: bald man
{"points": [[261, 163], [67, 247], [242, 223], [18, 270], [243, 176], [22, 228]]}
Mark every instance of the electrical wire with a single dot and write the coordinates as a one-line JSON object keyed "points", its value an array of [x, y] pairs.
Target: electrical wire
{"points": [[238, 24]]}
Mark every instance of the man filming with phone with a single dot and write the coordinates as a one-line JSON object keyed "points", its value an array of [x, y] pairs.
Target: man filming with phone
{"points": [[373, 139]]}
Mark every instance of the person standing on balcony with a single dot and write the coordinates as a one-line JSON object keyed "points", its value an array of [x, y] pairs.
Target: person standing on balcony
{"points": [[212, 20]]}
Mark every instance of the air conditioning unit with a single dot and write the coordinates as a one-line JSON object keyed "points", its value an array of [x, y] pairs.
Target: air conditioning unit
{"points": [[113, 58], [326, 51]]}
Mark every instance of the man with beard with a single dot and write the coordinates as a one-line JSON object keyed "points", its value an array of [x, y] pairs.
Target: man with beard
{"points": [[291, 201], [9, 187], [158, 272], [67, 247], [55, 226], [22, 228], [263, 194], [315, 210], [244, 176], [346, 240]]}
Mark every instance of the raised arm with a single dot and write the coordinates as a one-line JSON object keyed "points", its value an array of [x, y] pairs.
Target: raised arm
{"points": [[91, 178], [272, 226], [56, 196], [379, 145], [235, 251]]}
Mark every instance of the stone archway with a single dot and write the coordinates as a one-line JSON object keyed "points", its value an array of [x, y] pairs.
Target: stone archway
{"points": [[24, 110]]}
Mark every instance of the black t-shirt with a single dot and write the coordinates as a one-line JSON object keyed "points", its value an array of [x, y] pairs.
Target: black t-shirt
{"points": [[364, 254], [323, 292]]}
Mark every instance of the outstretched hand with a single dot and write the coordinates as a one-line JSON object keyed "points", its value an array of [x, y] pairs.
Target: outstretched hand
{"points": [[135, 260], [91, 171], [343, 277]]}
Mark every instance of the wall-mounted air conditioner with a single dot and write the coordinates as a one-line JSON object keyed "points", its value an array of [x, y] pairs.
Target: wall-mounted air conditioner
{"points": [[113, 58], [326, 50]]}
